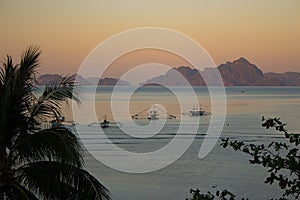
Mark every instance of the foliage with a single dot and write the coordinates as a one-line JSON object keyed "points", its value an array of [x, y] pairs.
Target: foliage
{"points": [[221, 195], [281, 159], [35, 162]]}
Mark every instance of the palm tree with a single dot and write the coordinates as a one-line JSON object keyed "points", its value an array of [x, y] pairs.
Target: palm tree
{"points": [[39, 163]]}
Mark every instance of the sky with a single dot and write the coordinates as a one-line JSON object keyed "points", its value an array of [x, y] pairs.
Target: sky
{"points": [[267, 32]]}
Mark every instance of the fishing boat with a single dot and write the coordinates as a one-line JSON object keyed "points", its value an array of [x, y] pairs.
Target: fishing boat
{"points": [[197, 111], [154, 112], [153, 115], [105, 123], [61, 121]]}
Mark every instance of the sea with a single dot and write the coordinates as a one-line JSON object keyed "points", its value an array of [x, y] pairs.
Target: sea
{"points": [[219, 169]]}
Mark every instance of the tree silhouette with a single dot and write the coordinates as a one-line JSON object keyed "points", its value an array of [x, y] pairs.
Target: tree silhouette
{"points": [[39, 163]]}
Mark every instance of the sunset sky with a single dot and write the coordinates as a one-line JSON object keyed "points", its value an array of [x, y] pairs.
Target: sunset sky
{"points": [[265, 32]]}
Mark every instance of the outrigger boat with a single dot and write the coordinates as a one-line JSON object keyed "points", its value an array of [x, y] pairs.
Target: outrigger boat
{"points": [[60, 121], [105, 123], [154, 113], [197, 111]]}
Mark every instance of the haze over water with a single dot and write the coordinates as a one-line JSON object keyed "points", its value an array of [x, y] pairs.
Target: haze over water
{"points": [[222, 167]]}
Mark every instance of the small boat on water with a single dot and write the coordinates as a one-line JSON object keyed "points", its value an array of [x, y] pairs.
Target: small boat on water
{"points": [[105, 123], [61, 121], [154, 112], [197, 111], [153, 115]]}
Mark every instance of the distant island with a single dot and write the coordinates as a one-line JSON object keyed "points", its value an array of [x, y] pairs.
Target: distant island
{"points": [[48, 78], [237, 73]]}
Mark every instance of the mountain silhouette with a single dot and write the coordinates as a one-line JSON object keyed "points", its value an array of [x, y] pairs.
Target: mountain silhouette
{"points": [[237, 73]]}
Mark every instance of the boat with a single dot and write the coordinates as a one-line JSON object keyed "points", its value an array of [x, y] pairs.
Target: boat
{"points": [[61, 121], [153, 115], [154, 112], [197, 111], [105, 123]]}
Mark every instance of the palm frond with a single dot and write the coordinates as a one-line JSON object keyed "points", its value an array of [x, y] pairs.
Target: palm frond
{"points": [[16, 191], [24, 193], [25, 75], [11, 113], [55, 95], [58, 144], [28, 66], [56, 179], [48, 162], [29, 61], [15, 95], [90, 187], [7, 70]]}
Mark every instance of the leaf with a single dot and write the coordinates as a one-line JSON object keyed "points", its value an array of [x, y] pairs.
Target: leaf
{"points": [[56, 143], [62, 181]]}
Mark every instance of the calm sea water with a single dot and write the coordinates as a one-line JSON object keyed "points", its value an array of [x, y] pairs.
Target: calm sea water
{"points": [[222, 167]]}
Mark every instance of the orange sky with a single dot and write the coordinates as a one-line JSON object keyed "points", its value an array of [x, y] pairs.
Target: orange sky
{"points": [[266, 32]]}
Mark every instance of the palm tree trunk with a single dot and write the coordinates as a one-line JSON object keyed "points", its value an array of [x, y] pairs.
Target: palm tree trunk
{"points": [[2, 166]]}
